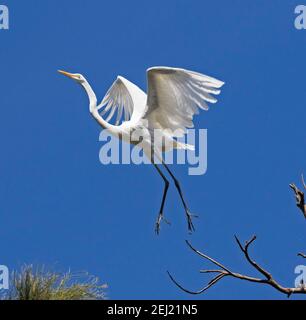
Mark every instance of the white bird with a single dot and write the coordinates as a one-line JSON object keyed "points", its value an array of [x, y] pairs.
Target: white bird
{"points": [[173, 98]]}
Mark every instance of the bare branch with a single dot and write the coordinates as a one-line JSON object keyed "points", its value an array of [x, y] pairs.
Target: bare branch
{"points": [[224, 271], [253, 263], [300, 201], [266, 278], [207, 257], [210, 284], [211, 271], [299, 196]]}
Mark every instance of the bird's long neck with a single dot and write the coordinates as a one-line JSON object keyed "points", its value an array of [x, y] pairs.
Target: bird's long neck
{"points": [[93, 106]]}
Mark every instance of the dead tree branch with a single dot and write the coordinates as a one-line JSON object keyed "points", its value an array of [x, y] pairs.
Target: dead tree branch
{"points": [[300, 201], [223, 271], [299, 196]]}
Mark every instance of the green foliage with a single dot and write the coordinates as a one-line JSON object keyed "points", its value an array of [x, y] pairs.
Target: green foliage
{"points": [[40, 284]]}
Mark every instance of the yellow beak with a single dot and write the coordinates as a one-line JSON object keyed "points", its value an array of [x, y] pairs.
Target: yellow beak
{"points": [[67, 74]]}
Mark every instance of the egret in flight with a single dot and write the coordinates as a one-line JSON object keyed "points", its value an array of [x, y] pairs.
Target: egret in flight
{"points": [[174, 96]]}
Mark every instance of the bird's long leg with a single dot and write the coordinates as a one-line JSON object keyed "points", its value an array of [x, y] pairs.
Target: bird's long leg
{"points": [[178, 187], [161, 214]]}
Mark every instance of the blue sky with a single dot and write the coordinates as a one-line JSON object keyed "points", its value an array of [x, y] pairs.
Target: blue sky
{"points": [[62, 208]]}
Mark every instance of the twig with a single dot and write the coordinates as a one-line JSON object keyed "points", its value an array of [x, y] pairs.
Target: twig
{"points": [[224, 271]]}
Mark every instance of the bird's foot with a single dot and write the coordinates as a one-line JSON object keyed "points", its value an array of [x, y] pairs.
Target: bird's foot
{"points": [[189, 216], [160, 218]]}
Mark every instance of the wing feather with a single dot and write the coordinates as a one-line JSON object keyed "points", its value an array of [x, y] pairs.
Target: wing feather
{"points": [[175, 95], [124, 99]]}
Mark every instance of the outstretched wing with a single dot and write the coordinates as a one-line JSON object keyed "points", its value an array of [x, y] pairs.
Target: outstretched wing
{"points": [[123, 100], [174, 96]]}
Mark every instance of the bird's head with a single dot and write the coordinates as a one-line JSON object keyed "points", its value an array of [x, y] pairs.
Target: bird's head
{"points": [[80, 79], [75, 76]]}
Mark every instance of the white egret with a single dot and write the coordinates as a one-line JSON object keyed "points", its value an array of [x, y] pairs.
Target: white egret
{"points": [[173, 98]]}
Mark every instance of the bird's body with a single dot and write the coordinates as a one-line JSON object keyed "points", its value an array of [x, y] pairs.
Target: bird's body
{"points": [[154, 120]]}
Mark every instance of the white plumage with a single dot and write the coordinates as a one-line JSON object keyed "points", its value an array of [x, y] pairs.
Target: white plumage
{"points": [[174, 96]]}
